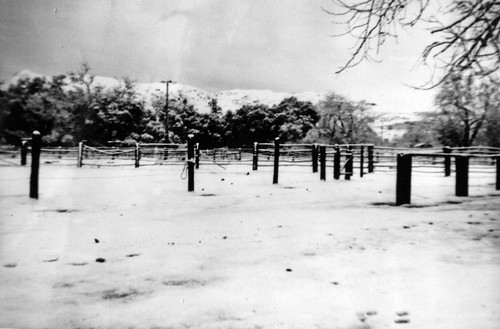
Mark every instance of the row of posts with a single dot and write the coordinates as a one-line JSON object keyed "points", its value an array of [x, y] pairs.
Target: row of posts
{"points": [[319, 155], [404, 169]]}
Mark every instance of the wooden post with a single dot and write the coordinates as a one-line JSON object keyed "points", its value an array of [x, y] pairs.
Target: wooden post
{"points": [[80, 155], [322, 161], [447, 161], [361, 161], [461, 175], [255, 160], [315, 158], [403, 179], [497, 185], [349, 163], [336, 163], [190, 162], [137, 154], [165, 153], [197, 161], [276, 159], [370, 159], [36, 146], [239, 154], [24, 152]]}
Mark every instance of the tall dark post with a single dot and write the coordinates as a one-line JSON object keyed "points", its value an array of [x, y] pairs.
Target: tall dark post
{"points": [[36, 146], [190, 162], [322, 161], [349, 163], [336, 163], [447, 161], [497, 185], [461, 175], [403, 179], [370, 159], [24, 152], [315, 157], [276, 159], [137, 154], [361, 161], [255, 159], [197, 161]]}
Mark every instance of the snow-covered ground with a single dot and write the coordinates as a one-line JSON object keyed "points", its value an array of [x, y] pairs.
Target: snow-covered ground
{"points": [[241, 252]]}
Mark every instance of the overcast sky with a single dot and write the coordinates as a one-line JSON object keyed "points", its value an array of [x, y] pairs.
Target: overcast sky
{"points": [[212, 44]]}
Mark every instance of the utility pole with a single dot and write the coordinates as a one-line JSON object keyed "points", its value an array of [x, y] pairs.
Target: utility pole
{"points": [[166, 110]]}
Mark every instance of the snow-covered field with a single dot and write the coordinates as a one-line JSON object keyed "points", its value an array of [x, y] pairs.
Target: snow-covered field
{"points": [[241, 252]]}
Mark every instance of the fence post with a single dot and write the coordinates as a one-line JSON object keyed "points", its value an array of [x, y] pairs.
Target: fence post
{"points": [[497, 185], [239, 154], [80, 155], [461, 175], [370, 159], [24, 152], [276, 159], [197, 160], [361, 161], [322, 161], [255, 159], [165, 153], [447, 161], [137, 154], [315, 158], [36, 145], [349, 163], [336, 162], [190, 162], [403, 179]]}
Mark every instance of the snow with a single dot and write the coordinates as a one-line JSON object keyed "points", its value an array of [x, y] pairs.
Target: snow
{"points": [[241, 252]]}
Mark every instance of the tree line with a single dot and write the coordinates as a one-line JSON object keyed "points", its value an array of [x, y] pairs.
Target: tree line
{"points": [[67, 109]]}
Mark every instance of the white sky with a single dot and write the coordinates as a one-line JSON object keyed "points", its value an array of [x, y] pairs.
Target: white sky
{"points": [[211, 44]]}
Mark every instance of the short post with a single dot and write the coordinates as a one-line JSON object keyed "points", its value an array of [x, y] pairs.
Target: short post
{"points": [[80, 155], [190, 162], [497, 185], [361, 161], [239, 154], [370, 159], [197, 160], [403, 179], [349, 163], [255, 159], [165, 153], [322, 161], [447, 161], [276, 159], [24, 152], [137, 154], [315, 158], [36, 146], [461, 175], [336, 163]]}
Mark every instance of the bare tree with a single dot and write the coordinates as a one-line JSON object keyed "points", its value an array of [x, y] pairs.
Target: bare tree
{"points": [[467, 32], [464, 107]]}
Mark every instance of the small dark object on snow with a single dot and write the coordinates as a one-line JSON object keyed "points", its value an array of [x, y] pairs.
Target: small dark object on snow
{"points": [[224, 237], [248, 173], [402, 313], [96, 240], [335, 283], [406, 227], [431, 223], [222, 179], [402, 321], [100, 260], [288, 269]]}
